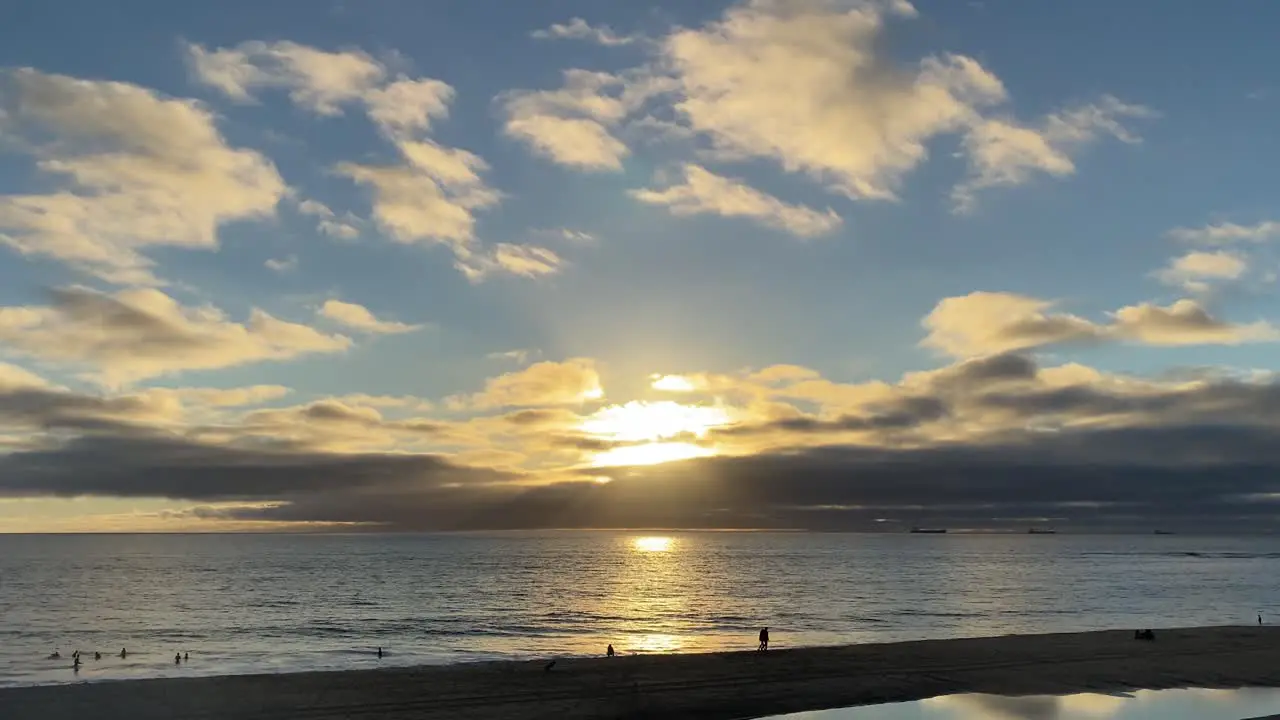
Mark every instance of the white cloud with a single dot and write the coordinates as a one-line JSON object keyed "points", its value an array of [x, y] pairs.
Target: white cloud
{"points": [[570, 126], [705, 192], [528, 261], [520, 356], [143, 333], [569, 382], [1195, 269], [283, 265], [134, 170], [989, 323], [359, 318], [322, 81], [346, 228], [1186, 322], [579, 29], [1003, 153], [406, 105], [580, 237], [318, 80], [1225, 233], [803, 84], [431, 196]]}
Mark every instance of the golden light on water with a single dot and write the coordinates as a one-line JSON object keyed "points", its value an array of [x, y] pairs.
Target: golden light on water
{"points": [[653, 427], [653, 543]]}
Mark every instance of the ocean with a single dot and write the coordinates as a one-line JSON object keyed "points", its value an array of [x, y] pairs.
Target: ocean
{"points": [[285, 603]]}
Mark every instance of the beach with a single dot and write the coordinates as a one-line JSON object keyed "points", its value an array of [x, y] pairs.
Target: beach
{"points": [[712, 685]]}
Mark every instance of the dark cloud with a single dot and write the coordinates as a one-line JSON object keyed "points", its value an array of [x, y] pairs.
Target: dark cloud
{"points": [[1191, 477]]}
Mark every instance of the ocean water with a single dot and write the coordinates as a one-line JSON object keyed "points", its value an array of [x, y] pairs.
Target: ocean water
{"points": [[1179, 704], [283, 603]]}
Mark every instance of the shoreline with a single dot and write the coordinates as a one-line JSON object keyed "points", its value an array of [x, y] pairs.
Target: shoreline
{"points": [[713, 685]]}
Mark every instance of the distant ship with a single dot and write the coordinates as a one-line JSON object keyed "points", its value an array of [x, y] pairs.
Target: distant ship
{"points": [[928, 531], [1041, 531]]}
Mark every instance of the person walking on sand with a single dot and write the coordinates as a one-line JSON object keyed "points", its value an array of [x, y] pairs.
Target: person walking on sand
{"points": [[1259, 618], [764, 639]]}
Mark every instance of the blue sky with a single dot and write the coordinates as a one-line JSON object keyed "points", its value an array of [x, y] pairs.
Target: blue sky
{"points": [[563, 199]]}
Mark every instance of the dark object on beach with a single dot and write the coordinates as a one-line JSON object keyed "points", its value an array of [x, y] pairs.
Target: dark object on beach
{"points": [[97, 655], [379, 651], [124, 653], [609, 652], [764, 639], [1143, 635], [548, 666]]}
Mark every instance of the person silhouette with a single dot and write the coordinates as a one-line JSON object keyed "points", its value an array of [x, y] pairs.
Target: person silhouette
{"points": [[186, 656], [97, 655], [177, 658], [379, 651], [75, 665], [764, 639], [123, 653], [609, 652], [1259, 618]]}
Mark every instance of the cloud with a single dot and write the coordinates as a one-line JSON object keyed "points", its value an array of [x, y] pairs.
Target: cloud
{"points": [[1185, 322], [1194, 270], [569, 382], [132, 170], [985, 323], [318, 80], [408, 105], [431, 196], [704, 192], [358, 317], [571, 126], [579, 29], [328, 224], [143, 333], [519, 356], [1225, 233], [808, 86], [1003, 153], [803, 84], [282, 265], [580, 237], [528, 261], [990, 442]]}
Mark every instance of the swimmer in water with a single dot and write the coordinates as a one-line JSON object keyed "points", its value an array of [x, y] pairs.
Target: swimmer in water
{"points": [[97, 655], [177, 658]]}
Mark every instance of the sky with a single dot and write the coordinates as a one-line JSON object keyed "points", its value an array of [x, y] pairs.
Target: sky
{"points": [[824, 264]]}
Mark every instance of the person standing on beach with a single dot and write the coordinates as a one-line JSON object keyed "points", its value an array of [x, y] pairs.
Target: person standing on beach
{"points": [[764, 639]]}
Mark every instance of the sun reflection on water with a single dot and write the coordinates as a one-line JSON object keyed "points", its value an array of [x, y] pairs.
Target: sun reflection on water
{"points": [[653, 544]]}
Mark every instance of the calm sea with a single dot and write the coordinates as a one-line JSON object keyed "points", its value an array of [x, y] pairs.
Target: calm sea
{"points": [[283, 603]]}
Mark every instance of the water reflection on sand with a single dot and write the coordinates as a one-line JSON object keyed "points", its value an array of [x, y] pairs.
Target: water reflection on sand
{"points": [[1181, 704]]}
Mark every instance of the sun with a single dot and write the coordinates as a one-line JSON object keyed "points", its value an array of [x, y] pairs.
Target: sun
{"points": [[656, 432]]}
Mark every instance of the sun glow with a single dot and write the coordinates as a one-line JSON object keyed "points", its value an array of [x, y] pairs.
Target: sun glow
{"points": [[657, 432], [652, 544]]}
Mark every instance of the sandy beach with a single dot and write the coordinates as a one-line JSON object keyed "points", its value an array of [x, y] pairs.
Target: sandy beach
{"points": [[719, 685]]}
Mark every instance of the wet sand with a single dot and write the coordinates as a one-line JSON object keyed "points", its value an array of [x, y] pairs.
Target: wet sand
{"points": [[717, 685]]}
